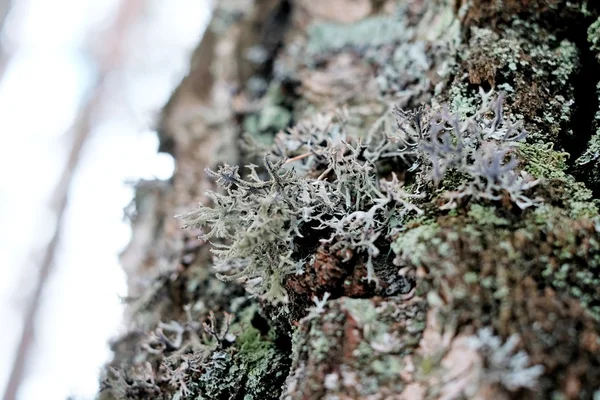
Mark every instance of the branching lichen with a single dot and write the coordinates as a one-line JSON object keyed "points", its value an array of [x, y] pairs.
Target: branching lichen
{"points": [[263, 224], [480, 147]]}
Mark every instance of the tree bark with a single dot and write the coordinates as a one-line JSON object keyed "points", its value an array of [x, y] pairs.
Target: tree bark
{"points": [[481, 278]]}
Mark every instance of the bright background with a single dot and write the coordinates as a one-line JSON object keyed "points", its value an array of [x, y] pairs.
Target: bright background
{"points": [[77, 71]]}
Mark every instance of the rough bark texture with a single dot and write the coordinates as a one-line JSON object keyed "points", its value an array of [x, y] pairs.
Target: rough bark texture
{"points": [[475, 273]]}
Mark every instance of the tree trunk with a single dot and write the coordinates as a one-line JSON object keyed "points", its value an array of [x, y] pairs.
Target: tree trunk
{"points": [[424, 224]]}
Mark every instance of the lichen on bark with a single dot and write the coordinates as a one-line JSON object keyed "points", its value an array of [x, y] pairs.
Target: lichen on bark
{"points": [[409, 234]]}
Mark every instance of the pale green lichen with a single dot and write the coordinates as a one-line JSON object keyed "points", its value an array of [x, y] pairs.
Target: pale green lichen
{"points": [[486, 216], [339, 200], [370, 32], [413, 243], [594, 37]]}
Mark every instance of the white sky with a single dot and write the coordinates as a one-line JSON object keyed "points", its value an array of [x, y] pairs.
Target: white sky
{"points": [[44, 82]]}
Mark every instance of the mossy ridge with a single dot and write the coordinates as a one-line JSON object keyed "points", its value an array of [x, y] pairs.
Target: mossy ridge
{"points": [[355, 347], [535, 277]]}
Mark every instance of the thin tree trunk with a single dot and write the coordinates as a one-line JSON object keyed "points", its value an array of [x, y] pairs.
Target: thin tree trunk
{"points": [[108, 61]]}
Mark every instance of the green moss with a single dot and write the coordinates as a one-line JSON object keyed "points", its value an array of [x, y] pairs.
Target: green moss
{"points": [[252, 346], [542, 161], [568, 257], [549, 165], [253, 366], [228, 375]]}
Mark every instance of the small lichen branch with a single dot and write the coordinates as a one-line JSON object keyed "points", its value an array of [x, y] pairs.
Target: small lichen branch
{"points": [[481, 147], [504, 365]]}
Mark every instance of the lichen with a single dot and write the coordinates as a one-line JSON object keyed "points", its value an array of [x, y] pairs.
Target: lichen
{"points": [[338, 201], [504, 365], [538, 70], [549, 165], [370, 32], [594, 37], [355, 348]]}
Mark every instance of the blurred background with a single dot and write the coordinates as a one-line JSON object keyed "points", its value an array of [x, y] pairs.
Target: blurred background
{"points": [[81, 86]]}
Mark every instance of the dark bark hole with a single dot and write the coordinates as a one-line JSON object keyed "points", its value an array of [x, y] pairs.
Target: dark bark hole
{"points": [[474, 87], [284, 344], [260, 323], [586, 104]]}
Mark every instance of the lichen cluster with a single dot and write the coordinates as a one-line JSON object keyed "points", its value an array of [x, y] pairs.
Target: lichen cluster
{"points": [[265, 226]]}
